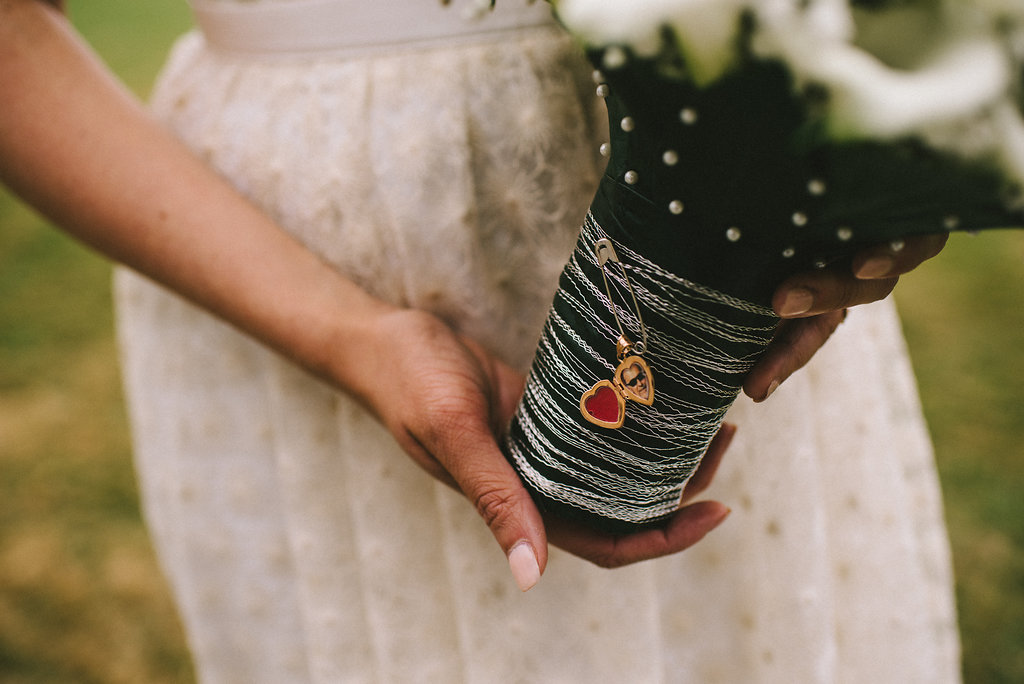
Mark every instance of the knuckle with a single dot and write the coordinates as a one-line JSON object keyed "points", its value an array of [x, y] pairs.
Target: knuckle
{"points": [[917, 250], [938, 243], [848, 293], [927, 246], [607, 562], [828, 323], [885, 287], [867, 291], [802, 341], [496, 505], [833, 289], [446, 421], [607, 556], [822, 329]]}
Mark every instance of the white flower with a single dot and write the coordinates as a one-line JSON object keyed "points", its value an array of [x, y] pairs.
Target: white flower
{"points": [[706, 28], [898, 71], [920, 68]]}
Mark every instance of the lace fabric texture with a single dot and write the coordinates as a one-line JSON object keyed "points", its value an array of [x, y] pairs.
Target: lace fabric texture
{"points": [[303, 545]]}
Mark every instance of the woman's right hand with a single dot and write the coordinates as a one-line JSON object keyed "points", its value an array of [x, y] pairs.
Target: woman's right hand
{"points": [[447, 402]]}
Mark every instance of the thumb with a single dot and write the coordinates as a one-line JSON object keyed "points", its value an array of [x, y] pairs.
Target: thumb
{"points": [[488, 480]]}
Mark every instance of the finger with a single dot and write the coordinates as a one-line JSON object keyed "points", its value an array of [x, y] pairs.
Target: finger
{"points": [[795, 342], [470, 453], [830, 289], [897, 257], [705, 473], [687, 527]]}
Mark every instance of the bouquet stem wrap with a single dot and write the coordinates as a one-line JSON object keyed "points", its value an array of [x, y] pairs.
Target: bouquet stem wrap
{"points": [[712, 196], [701, 344]]}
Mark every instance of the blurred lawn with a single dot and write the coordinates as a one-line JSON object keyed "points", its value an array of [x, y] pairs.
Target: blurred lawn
{"points": [[81, 598], [963, 315]]}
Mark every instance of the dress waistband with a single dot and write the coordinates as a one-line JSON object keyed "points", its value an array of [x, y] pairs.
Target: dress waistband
{"points": [[356, 27]]}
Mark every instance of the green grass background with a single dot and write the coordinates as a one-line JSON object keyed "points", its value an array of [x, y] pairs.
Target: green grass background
{"points": [[81, 597]]}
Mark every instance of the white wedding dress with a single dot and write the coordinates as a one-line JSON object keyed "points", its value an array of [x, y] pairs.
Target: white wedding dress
{"points": [[452, 174]]}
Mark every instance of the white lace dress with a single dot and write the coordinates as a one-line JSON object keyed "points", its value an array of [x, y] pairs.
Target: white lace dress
{"points": [[302, 545]]}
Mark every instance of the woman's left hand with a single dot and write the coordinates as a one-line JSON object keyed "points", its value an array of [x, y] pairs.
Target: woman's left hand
{"points": [[814, 303]]}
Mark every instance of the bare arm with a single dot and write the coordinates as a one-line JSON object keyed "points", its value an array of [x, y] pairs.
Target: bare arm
{"points": [[81, 149]]}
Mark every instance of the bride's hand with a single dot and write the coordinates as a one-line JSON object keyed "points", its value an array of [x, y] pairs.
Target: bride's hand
{"points": [[814, 303], [446, 400], [687, 527]]}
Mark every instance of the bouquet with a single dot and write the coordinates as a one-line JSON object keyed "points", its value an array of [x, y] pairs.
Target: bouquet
{"points": [[750, 140]]}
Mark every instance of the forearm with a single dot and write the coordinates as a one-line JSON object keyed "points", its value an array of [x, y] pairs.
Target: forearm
{"points": [[83, 151]]}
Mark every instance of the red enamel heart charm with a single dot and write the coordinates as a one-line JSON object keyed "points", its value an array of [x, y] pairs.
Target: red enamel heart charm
{"points": [[603, 405]]}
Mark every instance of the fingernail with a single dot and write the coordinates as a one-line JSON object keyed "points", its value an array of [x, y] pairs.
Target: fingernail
{"points": [[771, 388], [523, 563], [876, 267], [725, 513], [797, 301]]}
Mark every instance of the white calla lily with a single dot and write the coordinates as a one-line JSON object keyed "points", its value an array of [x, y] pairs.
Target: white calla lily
{"points": [[706, 28], [869, 98], [890, 70]]}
